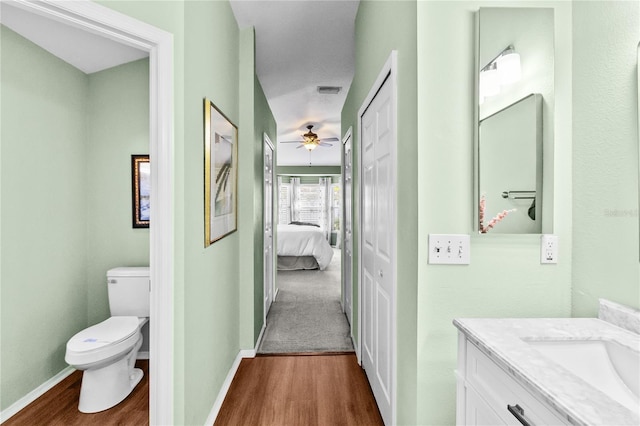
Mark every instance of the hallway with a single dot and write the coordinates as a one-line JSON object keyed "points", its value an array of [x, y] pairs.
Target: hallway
{"points": [[307, 315], [299, 390]]}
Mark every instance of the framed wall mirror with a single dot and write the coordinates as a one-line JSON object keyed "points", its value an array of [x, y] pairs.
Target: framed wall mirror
{"points": [[515, 111]]}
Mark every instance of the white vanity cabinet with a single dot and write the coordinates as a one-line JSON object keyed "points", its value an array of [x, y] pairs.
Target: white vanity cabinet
{"points": [[487, 394]]}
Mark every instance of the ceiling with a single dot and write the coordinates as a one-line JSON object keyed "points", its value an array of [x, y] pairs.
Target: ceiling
{"points": [[301, 45], [87, 52]]}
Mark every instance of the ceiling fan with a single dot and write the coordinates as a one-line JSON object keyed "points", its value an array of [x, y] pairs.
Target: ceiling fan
{"points": [[310, 140]]}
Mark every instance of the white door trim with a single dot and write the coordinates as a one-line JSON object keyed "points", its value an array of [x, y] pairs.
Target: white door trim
{"points": [[97, 19], [388, 72], [269, 145], [344, 248]]}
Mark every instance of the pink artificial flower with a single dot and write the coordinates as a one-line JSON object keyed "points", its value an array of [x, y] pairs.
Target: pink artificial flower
{"points": [[493, 222]]}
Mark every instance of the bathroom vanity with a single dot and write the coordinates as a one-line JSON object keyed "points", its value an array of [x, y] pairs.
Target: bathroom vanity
{"points": [[565, 371]]}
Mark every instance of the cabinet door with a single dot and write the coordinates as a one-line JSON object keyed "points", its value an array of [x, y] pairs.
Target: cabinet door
{"points": [[478, 411]]}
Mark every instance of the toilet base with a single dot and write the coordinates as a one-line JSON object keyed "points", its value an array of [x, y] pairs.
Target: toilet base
{"points": [[106, 387]]}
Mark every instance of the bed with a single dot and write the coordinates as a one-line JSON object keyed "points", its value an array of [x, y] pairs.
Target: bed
{"points": [[302, 247]]}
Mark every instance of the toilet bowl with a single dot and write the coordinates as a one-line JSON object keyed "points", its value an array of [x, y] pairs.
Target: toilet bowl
{"points": [[106, 352]]}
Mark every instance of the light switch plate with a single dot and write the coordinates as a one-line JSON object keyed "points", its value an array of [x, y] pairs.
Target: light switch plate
{"points": [[548, 248], [449, 249]]}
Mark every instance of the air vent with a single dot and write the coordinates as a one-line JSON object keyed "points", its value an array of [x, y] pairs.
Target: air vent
{"points": [[329, 90]]}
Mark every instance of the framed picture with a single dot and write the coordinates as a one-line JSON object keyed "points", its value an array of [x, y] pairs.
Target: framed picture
{"points": [[141, 190], [220, 174]]}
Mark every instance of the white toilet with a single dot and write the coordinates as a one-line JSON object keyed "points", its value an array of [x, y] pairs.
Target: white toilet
{"points": [[107, 351]]}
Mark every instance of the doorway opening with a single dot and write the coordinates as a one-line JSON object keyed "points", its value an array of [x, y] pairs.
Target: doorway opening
{"points": [[100, 24], [307, 314]]}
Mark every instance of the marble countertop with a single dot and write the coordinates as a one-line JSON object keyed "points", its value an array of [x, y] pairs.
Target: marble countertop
{"points": [[504, 341]]}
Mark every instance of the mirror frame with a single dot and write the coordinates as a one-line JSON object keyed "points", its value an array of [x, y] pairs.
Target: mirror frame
{"points": [[638, 101]]}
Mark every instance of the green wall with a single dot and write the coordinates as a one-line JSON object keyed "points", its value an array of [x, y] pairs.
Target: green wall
{"points": [[214, 292], [436, 131], [595, 202], [605, 156], [211, 279], [255, 112], [308, 170], [505, 277], [84, 174], [118, 126], [44, 215], [263, 123], [377, 34], [211, 60]]}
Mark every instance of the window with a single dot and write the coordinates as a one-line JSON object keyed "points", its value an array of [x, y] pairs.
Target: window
{"points": [[336, 206], [318, 203], [310, 204], [284, 204]]}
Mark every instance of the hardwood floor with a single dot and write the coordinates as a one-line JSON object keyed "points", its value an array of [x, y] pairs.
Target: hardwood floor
{"points": [[299, 390], [59, 406]]}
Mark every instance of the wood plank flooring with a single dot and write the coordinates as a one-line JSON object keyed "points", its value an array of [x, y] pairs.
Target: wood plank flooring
{"points": [[59, 406], [299, 390]]}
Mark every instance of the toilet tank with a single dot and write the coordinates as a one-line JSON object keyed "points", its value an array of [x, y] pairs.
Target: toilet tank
{"points": [[129, 291]]}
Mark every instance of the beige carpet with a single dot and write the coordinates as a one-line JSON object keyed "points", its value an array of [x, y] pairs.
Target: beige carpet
{"points": [[306, 315]]}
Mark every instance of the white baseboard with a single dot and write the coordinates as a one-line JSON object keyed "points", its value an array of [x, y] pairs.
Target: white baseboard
{"points": [[213, 414], [14, 408], [356, 347], [260, 336]]}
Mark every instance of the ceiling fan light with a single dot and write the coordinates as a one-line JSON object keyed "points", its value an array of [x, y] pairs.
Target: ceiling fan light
{"points": [[310, 146]]}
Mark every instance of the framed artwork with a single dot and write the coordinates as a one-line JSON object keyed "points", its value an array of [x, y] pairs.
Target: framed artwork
{"points": [[220, 174], [141, 190]]}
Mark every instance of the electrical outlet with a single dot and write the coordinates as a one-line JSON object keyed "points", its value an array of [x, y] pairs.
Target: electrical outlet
{"points": [[449, 249], [548, 248]]}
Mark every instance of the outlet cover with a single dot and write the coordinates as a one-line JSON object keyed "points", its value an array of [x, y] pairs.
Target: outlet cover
{"points": [[449, 249], [548, 248]]}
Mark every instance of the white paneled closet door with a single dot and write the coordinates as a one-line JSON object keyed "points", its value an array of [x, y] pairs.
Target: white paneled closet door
{"points": [[378, 247]]}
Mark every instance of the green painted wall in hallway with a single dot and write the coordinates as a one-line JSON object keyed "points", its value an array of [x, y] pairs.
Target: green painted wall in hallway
{"points": [[211, 276], [377, 34], [308, 170], [258, 119]]}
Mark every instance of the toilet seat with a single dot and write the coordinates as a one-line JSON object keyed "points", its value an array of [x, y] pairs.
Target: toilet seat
{"points": [[103, 341]]}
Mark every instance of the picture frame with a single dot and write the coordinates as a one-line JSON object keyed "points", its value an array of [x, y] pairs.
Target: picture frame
{"points": [[220, 174], [141, 190]]}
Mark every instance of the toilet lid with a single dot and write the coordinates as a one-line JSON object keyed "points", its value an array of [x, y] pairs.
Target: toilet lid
{"points": [[112, 330]]}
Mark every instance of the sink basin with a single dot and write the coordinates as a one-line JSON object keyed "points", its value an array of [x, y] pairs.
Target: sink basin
{"points": [[607, 365]]}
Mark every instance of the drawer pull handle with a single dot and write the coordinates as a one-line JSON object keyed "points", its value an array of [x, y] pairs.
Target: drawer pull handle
{"points": [[518, 413]]}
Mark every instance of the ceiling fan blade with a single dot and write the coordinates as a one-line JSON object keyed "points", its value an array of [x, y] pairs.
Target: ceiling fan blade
{"points": [[301, 146], [330, 140], [325, 144], [290, 142]]}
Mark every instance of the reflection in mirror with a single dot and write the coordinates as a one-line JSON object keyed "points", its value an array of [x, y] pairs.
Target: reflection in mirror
{"points": [[512, 145], [514, 155]]}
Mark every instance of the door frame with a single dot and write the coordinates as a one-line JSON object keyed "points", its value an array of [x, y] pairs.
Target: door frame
{"points": [[97, 19], [343, 249], [268, 144], [388, 72]]}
